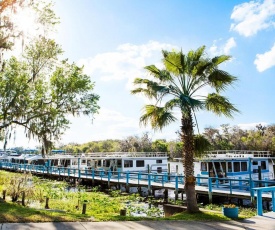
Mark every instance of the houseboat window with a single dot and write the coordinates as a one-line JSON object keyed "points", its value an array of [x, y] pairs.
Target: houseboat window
{"points": [[263, 165], [255, 163], [237, 167], [229, 166], [159, 169], [140, 163], [244, 166], [108, 163], [74, 162], [99, 163], [128, 163], [203, 166], [159, 161], [119, 163], [83, 161]]}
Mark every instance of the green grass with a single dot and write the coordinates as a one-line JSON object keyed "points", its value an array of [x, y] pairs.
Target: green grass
{"points": [[67, 206], [244, 213], [15, 213]]}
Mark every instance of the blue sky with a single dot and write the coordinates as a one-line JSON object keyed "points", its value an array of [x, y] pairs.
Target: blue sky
{"points": [[114, 40]]}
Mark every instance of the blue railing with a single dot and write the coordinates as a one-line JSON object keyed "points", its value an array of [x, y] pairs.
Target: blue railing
{"points": [[231, 184], [259, 192]]}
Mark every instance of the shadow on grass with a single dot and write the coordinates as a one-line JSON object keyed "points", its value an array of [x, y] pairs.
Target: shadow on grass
{"points": [[200, 216], [15, 213]]}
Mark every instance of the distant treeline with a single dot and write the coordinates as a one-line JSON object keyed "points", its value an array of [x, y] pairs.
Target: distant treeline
{"points": [[129, 144], [224, 138]]}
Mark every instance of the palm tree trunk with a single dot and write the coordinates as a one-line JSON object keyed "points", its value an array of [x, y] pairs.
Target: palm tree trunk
{"points": [[188, 161]]}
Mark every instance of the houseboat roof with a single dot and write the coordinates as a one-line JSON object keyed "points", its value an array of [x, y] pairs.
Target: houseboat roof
{"points": [[100, 155], [235, 154], [128, 154]]}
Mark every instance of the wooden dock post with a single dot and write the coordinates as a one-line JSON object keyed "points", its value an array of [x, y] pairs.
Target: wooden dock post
{"points": [[127, 188], [139, 190], [23, 198], [165, 195], [84, 207], [153, 192], [210, 197], [4, 194], [176, 194]]}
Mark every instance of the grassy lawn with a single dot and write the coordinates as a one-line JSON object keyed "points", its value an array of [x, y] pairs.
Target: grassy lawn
{"points": [[67, 206], [16, 213]]}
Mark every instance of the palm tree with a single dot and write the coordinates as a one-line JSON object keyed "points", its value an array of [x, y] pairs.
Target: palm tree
{"points": [[180, 82]]}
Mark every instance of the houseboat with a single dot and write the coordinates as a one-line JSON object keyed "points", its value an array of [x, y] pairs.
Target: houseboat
{"points": [[114, 161], [236, 164]]}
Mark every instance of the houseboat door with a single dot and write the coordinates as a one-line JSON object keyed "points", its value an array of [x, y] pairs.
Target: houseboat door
{"points": [[217, 169]]}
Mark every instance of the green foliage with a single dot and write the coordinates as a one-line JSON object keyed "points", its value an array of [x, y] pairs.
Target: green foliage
{"points": [[51, 189], [18, 184], [160, 145], [228, 138], [39, 90], [201, 145], [115, 193]]}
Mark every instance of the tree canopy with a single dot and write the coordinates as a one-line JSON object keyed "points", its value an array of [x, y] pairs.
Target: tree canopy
{"points": [[39, 89]]}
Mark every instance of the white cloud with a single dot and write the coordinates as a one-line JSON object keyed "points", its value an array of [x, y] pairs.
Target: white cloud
{"points": [[219, 48], [231, 43], [266, 60], [127, 62], [251, 17], [249, 126]]}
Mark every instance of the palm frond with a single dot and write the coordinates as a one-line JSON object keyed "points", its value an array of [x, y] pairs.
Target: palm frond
{"points": [[197, 54], [164, 53], [220, 59], [201, 145], [194, 58], [220, 105], [175, 102], [189, 102], [151, 90], [220, 79], [161, 75], [158, 117], [173, 63]]}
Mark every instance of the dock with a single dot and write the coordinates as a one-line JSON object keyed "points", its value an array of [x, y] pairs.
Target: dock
{"points": [[205, 186]]}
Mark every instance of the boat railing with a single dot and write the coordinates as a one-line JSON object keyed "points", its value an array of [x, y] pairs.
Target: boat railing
{"points": [[127, 154], [235, 154]]}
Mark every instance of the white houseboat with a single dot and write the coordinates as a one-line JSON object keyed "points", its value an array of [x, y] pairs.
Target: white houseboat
{"points": [[114, 161], [236, 164]]}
